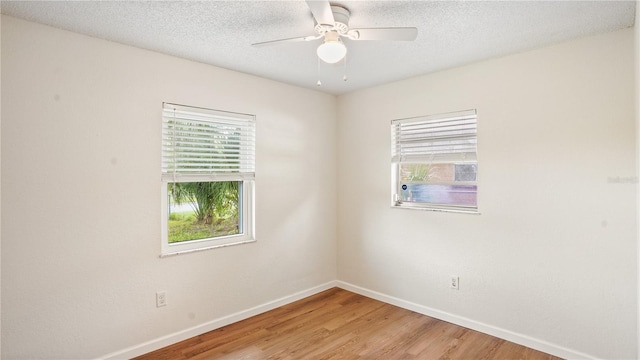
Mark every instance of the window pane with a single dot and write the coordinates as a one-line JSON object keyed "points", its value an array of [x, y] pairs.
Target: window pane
{"points": [[427, 172], [438, 173], [434, 163], [466, 172], [465, 195], [203, 210]]}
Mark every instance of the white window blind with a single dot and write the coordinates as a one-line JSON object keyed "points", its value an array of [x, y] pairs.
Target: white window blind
{"points": [[208, 171], [436, 138], [203, 143], [434, 162]]}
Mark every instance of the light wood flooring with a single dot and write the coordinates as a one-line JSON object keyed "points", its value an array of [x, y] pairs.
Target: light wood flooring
{"points": [[338, 324]]}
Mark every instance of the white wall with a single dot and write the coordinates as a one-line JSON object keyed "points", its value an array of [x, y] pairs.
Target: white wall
{"points": [[552, 258], [637, 62], [81, 201], [0, 188]]}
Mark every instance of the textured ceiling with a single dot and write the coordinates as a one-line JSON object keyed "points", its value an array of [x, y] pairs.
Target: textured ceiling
{"points": [[221, 33]]}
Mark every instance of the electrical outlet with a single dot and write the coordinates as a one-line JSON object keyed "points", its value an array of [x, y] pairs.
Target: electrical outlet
{"points": [[455, 282], [161, 298]]}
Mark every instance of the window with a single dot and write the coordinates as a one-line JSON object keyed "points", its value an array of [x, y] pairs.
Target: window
{"points": [[208, 172], [433, 162]]}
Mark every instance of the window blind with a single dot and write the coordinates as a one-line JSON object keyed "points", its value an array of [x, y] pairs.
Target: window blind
{"points": [[436, 138], [204, 143]]}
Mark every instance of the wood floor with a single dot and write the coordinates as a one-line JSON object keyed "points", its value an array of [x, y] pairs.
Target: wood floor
{"points": [[338, 324]]}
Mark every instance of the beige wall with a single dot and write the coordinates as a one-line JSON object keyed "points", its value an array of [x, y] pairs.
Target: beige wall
{"points": [[0, 189], [551, 261], [637, 97], [81, 178]]}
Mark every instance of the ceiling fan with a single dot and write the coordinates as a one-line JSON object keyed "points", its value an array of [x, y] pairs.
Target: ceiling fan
{"points": [[332, 23]]}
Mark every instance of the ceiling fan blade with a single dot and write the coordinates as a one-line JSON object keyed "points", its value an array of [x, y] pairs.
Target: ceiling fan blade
{"points": [[289, 40], [321, 10], [397, 34]]}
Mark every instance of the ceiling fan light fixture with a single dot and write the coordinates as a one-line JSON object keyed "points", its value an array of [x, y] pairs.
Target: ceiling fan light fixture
{"points": [[332, 49]]}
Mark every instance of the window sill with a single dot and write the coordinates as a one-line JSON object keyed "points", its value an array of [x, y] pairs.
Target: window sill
{"points": [[436, 209], [187, 251]]}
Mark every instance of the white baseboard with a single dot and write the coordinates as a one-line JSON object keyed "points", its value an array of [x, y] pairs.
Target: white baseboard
{"points": [[520, 339], [170, 339]]}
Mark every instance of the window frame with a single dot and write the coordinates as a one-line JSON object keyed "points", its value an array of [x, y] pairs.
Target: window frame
{"points": [[246, 206], [454, 157]]}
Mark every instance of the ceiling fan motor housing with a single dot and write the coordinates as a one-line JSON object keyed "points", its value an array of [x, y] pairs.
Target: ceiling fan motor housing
{"points": [[341, 16]]}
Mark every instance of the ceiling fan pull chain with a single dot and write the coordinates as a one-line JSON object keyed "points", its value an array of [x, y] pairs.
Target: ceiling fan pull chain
{"points": [[319, 83], [344, 77]]}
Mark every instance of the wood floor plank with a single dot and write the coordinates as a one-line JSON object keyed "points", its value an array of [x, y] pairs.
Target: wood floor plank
{"points": [[353, 334], [338, 324]]}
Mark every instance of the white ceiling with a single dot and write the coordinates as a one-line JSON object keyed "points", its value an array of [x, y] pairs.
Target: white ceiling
{"points": [[221, 33]]}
